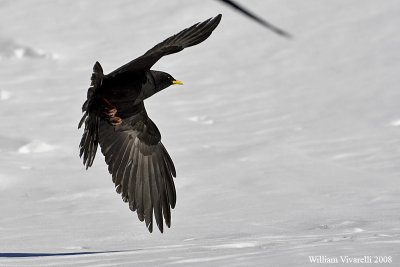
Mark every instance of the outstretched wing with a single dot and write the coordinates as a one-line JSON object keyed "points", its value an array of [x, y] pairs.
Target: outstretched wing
{"points": [[186, 38], [141, 167]]}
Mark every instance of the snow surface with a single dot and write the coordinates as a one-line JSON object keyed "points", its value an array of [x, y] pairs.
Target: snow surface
{"points": [[284, 148]]}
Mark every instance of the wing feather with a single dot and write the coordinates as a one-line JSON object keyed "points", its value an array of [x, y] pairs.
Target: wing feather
{"points": [[123, 165], [155, 193], [147, 194], [139, 189], [168, 160]]}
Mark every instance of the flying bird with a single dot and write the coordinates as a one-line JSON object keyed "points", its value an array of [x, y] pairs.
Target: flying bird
{"points": [[115, 118], [252, 16]]}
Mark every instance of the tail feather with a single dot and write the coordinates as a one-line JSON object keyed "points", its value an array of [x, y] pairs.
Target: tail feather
{"points": [[90, 138]]}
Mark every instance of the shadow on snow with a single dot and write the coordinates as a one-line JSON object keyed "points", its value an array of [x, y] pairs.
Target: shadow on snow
{"points": [[27, 254]]}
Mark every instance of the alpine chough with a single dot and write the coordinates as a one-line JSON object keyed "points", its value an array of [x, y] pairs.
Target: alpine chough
{"points": [[115, 117]]}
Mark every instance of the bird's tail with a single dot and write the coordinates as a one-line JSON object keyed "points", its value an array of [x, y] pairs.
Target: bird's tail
{"points": [[90, 138]]}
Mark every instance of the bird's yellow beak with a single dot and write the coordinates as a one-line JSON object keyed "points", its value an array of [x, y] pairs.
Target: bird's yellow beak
{"points": [[177, 82]]}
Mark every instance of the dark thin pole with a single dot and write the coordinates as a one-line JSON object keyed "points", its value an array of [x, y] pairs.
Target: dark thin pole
{"points": [[256, 18]]}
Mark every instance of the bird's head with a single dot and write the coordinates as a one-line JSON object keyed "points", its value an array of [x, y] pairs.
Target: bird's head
{"points": [[164, 80], [161, 80]]}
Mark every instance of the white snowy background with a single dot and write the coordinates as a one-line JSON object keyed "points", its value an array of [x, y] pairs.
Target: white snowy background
{"points": [[284, 148]]}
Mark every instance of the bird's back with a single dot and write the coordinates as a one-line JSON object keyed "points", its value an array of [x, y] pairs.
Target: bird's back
{"points": [[124, 88]]}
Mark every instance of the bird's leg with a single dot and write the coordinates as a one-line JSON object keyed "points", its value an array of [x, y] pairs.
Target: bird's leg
{"points": [[111, 111]]}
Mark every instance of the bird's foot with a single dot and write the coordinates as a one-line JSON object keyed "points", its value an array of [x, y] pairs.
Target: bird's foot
{"points": [[110, 112], [115, 121]]}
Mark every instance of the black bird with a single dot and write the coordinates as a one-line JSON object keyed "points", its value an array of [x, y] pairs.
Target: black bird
{"points": [[252, 16], [115, 117]]}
